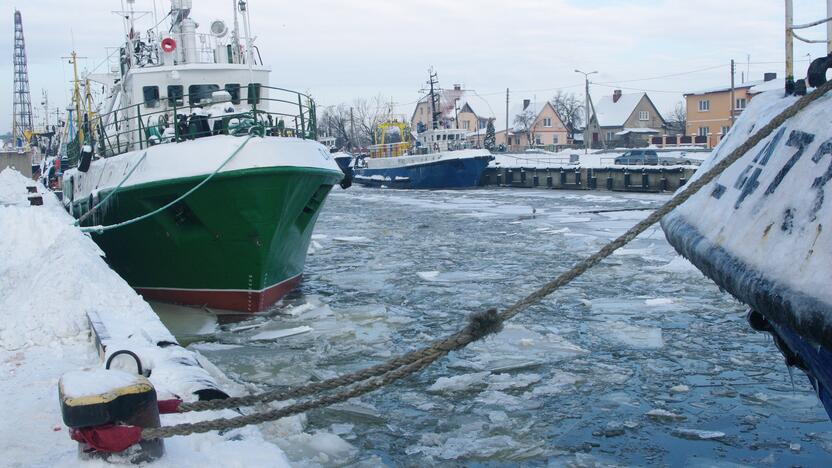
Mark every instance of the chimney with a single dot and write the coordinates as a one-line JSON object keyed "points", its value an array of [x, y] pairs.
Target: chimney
{"points": [[616, 95], [769, 76], [526, 103], [457, 87]]}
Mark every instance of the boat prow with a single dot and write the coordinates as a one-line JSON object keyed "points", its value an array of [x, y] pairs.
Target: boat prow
{"points": [[758, 229]]}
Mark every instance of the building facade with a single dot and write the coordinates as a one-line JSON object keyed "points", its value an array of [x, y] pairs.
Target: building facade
{"points": [[709, 112], [626, 120]]}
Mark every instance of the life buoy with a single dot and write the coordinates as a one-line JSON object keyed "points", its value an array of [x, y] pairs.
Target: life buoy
{"points": [[168, 44]]}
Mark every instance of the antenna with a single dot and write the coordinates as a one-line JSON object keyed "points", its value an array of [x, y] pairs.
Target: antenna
{"points": [[22, 116]]}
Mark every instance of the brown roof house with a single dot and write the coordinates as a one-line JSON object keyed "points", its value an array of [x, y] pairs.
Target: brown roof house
{"points": [[533, 125], [625, 120]]}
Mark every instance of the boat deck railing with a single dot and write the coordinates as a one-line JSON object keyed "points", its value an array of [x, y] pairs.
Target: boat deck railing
{"points": [[389, 150], [265, 110]]}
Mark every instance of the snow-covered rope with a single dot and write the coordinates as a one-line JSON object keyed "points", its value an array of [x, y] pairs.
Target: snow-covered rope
{"points": [[100, 229], [479, 326], [112, 192]]}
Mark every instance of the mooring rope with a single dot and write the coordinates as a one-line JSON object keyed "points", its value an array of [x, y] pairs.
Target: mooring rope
{"points": [[479, 324], [100, 229], [112, 192]]}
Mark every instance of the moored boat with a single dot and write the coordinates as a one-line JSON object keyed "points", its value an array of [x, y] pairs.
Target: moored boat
{"points": [[758, 230], [201, 183], [438, 158]]}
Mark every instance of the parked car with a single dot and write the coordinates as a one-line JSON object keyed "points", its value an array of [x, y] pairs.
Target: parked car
{"points": [[680, 160], [638, 158]]}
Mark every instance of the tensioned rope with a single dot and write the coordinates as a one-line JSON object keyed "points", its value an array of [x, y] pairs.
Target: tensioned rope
{"points": [[112, 192], [100, 229], [479, 325]]}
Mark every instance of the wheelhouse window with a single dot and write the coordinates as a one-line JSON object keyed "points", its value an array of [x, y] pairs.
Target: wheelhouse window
{"points": [[175, 95], [234, 90], [199, 92], [253, 93], [151, 96]]}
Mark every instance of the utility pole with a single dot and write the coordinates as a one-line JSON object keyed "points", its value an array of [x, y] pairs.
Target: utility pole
{"points": [[733, 96], [507, 119], [586, 110], [352, 129]]}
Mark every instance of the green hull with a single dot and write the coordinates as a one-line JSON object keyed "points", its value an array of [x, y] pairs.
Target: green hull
{"points": [[239, 242]]}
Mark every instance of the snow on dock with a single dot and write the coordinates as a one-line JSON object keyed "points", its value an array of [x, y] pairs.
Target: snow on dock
{"points": [[52, 279]]}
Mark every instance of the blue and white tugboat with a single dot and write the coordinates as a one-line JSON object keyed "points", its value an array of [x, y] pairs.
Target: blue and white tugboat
{"points": [[438, 158], [763, 229]]}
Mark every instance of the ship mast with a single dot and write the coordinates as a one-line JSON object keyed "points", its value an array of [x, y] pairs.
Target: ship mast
{"points": [[434, 100]]}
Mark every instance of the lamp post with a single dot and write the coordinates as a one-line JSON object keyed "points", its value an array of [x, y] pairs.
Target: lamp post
{"points": [[586, 110]]}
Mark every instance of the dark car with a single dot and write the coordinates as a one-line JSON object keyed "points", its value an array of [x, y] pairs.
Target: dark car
{"points": [[638, 158]]}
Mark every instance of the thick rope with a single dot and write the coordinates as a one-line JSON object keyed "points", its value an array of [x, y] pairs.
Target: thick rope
{"points": [[100, 229], [479, 326], [112, 192]]}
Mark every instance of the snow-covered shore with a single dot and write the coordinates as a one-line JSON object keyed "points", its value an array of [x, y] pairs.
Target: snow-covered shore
{"points": [[594, 160], [51, 276]]}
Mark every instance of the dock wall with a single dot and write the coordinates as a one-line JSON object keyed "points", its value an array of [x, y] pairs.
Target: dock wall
{"points": [[658, 179]]}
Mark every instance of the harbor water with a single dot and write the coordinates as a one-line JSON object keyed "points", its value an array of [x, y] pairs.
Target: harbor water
{"points": [[641, 361]]}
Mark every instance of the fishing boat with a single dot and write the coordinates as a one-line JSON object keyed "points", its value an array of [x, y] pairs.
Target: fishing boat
{"points": [[437, 158], [199, 181], [761, 229]]}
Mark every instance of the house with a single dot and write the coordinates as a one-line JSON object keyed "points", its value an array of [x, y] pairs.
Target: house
{"points": [[454, 111], [708, 112], [625, 120], [533, 125]]}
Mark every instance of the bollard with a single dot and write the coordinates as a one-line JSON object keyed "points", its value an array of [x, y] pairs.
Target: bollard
{"points": [[549, 181], [645, 181], [562, 178], [499, 178], [609, 182], [522, 176], [32, 189], [578, 178], [536, 180], [593, 182], [106, 410], [663, 184], [626, 180], [682, 181], [36, 200]]}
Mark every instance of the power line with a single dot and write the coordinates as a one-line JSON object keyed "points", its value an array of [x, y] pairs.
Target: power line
{"points": [[671, 75]]}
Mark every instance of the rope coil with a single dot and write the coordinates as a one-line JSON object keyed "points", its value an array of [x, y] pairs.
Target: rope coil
{"points": [[479, 325]]}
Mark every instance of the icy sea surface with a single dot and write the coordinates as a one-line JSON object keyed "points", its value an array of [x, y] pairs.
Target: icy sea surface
{"points": [[642, 361]]}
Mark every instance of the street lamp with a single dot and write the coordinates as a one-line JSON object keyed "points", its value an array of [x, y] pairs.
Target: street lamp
{"points": [[586, 110]]}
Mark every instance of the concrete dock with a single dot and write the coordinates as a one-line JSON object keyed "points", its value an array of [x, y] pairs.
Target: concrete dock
{"points": [[636, 179]]}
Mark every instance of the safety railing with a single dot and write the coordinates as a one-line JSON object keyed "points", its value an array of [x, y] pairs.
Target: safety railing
{"points": [[264, 110], [389, 150]]}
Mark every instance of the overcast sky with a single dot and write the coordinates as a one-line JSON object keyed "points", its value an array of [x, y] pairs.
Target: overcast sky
{"points": [[339, 50]]}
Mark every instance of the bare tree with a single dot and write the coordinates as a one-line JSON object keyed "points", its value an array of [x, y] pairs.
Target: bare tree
{"points": [[678, 119], [524, 122], [369, 114], [334, 121], [570, 109]]}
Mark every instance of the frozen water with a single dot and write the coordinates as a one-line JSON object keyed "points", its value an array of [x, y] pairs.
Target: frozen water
{"points": [[568, 382]]}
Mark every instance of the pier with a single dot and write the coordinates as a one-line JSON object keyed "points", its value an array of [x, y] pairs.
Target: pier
{"points": [[616, 179]]}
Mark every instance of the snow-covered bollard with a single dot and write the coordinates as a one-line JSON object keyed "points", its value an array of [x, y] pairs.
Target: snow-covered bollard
{"points": [[106, 409]]}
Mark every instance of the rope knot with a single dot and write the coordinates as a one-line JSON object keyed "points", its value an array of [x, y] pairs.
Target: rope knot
{"points": [[482, 324]]}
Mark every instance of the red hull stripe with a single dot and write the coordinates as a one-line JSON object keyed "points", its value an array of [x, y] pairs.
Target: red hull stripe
{"points": [[226, 299]]}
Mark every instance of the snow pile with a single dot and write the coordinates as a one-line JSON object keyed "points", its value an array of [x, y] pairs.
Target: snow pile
{"points": [[51, 276]]}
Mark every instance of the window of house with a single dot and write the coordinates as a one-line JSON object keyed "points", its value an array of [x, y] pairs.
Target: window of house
{"points": [[234, 90], [555, 140], [740, 104], [610, 136], [175, 93], [547, 122], [703, 131], [151, 96], [466, 124], [643, 115], [725, 130], [421, 111], [538, 140], [704, 105], [253, 93], [199, 92]]}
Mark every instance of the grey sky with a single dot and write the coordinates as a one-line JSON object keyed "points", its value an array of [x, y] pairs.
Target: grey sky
{"points": [[338, 50]]}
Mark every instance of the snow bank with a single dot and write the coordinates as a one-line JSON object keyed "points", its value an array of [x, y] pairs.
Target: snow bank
{"points": [[51, 276]]}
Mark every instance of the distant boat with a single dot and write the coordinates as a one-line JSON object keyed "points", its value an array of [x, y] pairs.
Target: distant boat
{"points": [[187, 107], [438, 158], [761, 230]]}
